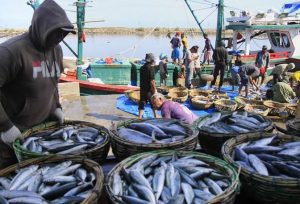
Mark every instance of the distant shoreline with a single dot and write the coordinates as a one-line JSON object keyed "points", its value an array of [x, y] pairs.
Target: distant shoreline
{"points": [[124, 31]]}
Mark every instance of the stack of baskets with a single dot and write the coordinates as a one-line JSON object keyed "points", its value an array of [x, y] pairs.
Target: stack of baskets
{"points": [[202, 103], [225, 105], [227, 197], [198, 92], [164, 89], [134, 96], [179, 97], [293, 126], [275, 107], [258, 109], [123, 148], [267, 189], [97, 153], [291, 109]]}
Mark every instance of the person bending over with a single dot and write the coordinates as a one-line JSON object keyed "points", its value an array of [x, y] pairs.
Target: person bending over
{"points": [[170, 109]]}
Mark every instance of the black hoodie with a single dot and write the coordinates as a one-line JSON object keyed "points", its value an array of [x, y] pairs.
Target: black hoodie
{"points": [[29, 70]]}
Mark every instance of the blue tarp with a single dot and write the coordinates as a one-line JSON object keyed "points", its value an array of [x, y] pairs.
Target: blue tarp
{"points": [[124, 104]]}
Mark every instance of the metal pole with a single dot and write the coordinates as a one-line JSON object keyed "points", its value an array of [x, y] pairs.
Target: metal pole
{"points": [[199, 24], [80, 25], [220, 22]]}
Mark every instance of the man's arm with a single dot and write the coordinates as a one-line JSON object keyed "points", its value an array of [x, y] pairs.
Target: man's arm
{"points": [[166, 112], [8, 71], [152, 80], [253, 82]]}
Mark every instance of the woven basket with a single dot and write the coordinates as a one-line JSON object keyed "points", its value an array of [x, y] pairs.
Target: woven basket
{"points": [[241, 102], [198, 92], [258, 109], [276, 108], [98, 153], [123, 148], [293, 127], [291, 109], [179, 89], [179, 97], [225, 105], [219, 93], [88, 164], [228, 197], [266, 189], [134, 96], [164, 89], [205, 104], [256, 102], [212, 143]]}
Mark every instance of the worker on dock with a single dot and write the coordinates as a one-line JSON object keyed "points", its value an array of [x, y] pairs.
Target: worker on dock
{"points": [[262, 62], [171, 109], [163, 69], [235, 70], [185, 44], [220, 58], [147, 84], [280, 71], [281, 92], [176, 44], [247, 75], [31, 64], [208, 50]]}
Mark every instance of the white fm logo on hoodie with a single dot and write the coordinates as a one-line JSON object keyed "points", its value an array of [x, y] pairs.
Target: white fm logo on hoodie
{"points": [[40, 69]]}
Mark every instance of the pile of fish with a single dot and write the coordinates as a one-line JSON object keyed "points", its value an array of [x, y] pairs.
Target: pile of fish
{"points": [[66, 182], [235, 122], [67, 140], [168, 179], [269, 157], [162, 131]]}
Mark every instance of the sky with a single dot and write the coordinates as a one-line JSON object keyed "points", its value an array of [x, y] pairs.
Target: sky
{"points": [[137, 13]]}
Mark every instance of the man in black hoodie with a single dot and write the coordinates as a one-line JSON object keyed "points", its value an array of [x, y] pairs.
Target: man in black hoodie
{"points": [[30, 67], [220, 57]]}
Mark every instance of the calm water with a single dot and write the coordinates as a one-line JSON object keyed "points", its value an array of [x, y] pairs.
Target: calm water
{"points": [[124, 46]]}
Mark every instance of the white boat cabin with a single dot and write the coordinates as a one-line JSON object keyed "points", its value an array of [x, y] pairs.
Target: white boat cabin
{"points": [[282, 29]]}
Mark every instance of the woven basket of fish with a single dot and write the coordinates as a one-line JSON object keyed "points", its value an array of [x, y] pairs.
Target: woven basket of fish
{"points": [[134, 96], [138, 136], [241, 102], [179, 97], [225, 105], [52, 180], [216, 128], [270, 166], [202, 103], [73, 138], [293, 126], [275, 107], [199, 92], [257, 109], [291, 109], [219, 93], [179, 89], [164, 89], [172, 177]]}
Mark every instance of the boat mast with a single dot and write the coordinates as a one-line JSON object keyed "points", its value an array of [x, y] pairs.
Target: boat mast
{"points": [[192, 11], [220, 22], [80, 4]]}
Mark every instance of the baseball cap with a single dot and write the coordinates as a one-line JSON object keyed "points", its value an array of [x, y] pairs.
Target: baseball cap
{"points": [[264, 47]]}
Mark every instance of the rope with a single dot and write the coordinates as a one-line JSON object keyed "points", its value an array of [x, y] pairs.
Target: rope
{"points": [[197, 2], [209, 15]]}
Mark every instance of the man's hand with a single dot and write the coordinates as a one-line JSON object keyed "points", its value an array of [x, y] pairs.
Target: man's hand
{"points": [[58, 114], [10, 135]]}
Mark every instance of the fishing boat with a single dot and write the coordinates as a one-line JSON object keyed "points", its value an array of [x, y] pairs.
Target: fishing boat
{"points": [[280, 27]]}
